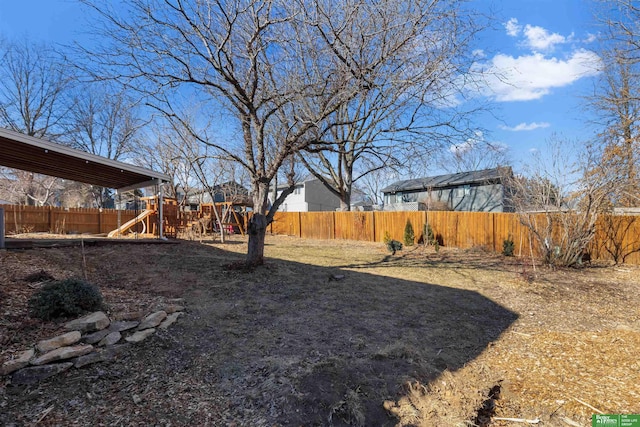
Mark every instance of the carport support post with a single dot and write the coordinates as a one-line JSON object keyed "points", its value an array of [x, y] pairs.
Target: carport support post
{"points": [[119, 212], [1, 228], [160, 209]]}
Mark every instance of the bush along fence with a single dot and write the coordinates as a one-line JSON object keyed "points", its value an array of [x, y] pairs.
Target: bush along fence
{"points": [[49, 219], [617, 238]]}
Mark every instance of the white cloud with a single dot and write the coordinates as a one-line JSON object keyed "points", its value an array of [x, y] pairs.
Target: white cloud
{"points": [[460, 149], [536, 38], [539, 39], [468, 145], [513, 28], [525, 126], [479, 53], [530, 77], [590, 38]]}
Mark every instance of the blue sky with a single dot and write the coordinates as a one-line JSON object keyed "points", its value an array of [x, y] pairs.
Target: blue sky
{"points": [[542, 49], [545, 51]]}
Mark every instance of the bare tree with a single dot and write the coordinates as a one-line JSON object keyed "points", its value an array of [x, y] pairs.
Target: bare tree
{"points": [[257, 60], [406, 58], [33, 83], [163, 152], [559, 201], [26, 188], [616, 100], [103, 120]]}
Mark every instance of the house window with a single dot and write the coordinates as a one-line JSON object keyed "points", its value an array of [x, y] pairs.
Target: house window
{"points": [[464, 191], [297, 190]]}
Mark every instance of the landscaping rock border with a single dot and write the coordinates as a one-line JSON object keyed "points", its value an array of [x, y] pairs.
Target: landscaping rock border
{"points": [[91, 339]]}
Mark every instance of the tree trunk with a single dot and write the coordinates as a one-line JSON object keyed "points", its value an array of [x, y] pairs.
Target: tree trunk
{"points": [[345, 201], [258, 224], [257, 230]]}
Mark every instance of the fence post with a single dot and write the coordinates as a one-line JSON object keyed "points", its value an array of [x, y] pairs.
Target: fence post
{"points": [[50, 208], [1, 228], [373, 226], [493, 232], [333, 226], [299, 225]]}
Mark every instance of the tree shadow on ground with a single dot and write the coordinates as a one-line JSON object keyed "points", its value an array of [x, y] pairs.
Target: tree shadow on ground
{"points": [[286, 344], [315, 349]]}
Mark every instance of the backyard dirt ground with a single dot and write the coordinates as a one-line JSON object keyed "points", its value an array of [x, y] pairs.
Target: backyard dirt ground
{"points": [[335, 333]]}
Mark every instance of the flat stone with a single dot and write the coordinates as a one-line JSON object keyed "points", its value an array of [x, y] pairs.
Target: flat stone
{"points": [[89, 323], [152, 320], [170, 320], [18, 363], [140, 335], [123, 325], [59, 341], [129, 315], [35, 374], [110, 339], [105, 355], [175, 300], [172, 308], [63, 353], [96, 337]]}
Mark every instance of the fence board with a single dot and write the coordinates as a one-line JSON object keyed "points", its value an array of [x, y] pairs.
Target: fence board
{"points": [[354, 226], [287, 223], [316, 225]]}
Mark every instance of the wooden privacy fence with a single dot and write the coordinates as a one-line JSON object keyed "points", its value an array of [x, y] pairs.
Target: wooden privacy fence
{"points": [[34, 219], [456, 229]]}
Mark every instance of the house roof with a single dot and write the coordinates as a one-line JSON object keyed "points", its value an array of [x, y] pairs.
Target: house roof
{"points": [[449, 180], [31, 154]]}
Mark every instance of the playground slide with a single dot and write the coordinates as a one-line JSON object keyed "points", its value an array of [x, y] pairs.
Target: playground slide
{"points": [[127, 225]]}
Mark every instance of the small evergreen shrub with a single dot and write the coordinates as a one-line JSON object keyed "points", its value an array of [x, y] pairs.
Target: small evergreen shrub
{"points": [[508, 246], [409, 235], [393, 246], [429, 235], [64, 298], [387, 237]]}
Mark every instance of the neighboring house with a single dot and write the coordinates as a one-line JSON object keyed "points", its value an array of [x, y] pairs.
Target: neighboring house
{"points": [[308, 196], [228, 192], [481, 191]]}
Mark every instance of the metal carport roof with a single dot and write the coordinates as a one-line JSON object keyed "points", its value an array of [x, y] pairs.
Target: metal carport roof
{"points": [[31, 154]]}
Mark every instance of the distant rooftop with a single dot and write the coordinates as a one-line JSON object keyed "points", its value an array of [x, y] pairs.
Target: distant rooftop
{"points": [[449, 180]]}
